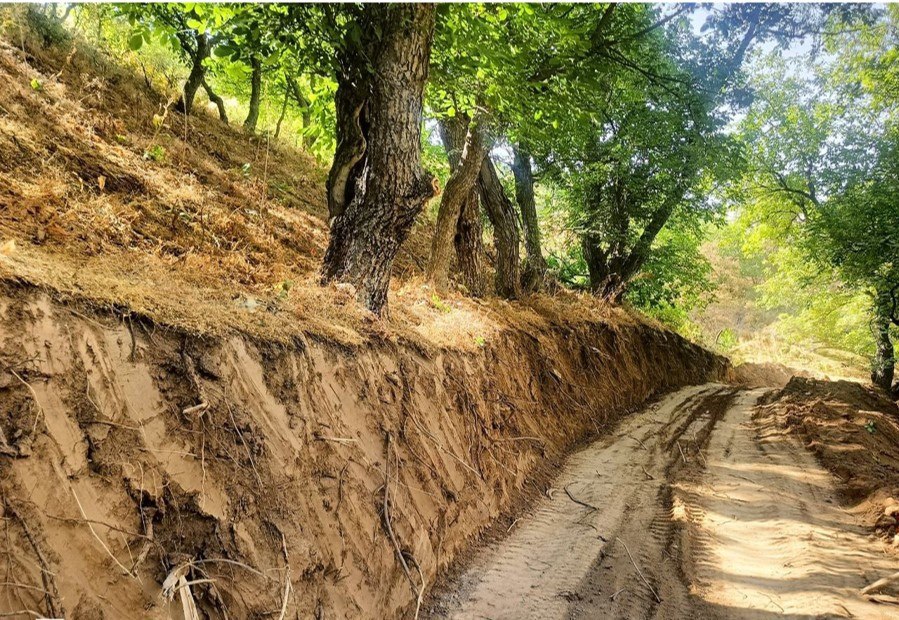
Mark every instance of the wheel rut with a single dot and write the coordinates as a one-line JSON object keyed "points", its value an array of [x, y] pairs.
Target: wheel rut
{"points": [[691, 508]]}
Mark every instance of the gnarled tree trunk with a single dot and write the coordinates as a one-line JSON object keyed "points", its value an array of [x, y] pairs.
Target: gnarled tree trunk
{"points": [[534, 272], [469, 243], [377, 185], [255, 94], [459, 189], [469, 239], [505, 231]]}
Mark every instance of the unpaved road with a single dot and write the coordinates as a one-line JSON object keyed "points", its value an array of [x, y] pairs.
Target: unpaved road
{"points": [[693, 508]]}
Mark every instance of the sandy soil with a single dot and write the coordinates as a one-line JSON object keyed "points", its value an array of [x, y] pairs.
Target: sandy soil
{"points": [[692, 508]]}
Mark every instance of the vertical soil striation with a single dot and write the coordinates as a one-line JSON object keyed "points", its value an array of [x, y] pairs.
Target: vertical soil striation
{"points": [[130, 453]]}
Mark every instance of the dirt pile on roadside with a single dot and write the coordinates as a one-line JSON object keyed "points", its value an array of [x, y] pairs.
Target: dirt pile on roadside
{"points": [[131, 451], [758, 375], [853, 432]]}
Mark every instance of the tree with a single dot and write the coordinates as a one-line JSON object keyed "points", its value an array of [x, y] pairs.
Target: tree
{"points": [[187, 29], [466, 147], [823, 164], [377, 185], [535, 267]]}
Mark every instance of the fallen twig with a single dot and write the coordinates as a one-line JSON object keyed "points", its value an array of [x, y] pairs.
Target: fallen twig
{"points": [[287, 586], [245, 446], [385, 514], [617, 592], [99, 540], [334, 439], [879, 584], [648, 475], [577, 501], [176, 583], [196, 408], [51, 593], [681, 452], [639, 572]]}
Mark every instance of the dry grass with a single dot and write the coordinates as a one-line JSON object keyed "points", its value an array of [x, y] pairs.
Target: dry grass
{"points": [[107, 198]]}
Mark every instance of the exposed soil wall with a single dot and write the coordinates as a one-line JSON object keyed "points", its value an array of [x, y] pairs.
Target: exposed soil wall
{"points": [[129, 450]]}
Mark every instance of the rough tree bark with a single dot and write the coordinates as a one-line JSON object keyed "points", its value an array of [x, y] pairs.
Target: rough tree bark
{"points": [[377, 185], [469, 241], [255, 94], [458, 190], [534, 272], [505, 231]]}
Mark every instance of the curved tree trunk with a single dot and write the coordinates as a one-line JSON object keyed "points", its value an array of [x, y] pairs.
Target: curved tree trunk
{"points": [[218, 101], [458, 190], [197, 73], [304, 106], [505, 230], [377, 185], [255, 94], [534, 271], [469, 240], [282, 114]]}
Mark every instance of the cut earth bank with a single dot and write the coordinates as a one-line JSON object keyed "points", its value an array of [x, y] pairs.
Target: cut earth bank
{"points": [[299, 475]]}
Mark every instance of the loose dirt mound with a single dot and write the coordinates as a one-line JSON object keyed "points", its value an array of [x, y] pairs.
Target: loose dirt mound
{"points": [[755, 375], [854, 432]]}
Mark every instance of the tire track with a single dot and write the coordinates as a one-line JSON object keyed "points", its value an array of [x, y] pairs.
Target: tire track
{"points": [[539, 570]]}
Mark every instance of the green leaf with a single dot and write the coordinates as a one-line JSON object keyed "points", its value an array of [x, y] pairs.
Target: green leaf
{"points": [[135, 41], [224, 50]]}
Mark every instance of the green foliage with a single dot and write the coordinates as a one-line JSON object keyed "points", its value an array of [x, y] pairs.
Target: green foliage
{"points": [[817, 200], [676, 281], [155, 152]]}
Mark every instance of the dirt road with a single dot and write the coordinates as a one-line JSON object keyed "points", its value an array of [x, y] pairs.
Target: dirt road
{"points": [[693, 508]]}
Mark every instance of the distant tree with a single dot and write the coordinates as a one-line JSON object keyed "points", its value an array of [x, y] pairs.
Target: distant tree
{"points": [[191, 31]]}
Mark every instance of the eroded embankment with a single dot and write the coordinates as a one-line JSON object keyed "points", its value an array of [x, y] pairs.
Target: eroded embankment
{"points": [[129, 450]]}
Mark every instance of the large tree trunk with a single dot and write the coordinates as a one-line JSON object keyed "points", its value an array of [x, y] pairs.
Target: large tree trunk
{"points": [[255, 94], [883, 367], [505, 230], [377, 185], [197, 73], [469, 240], [459, 188], [534, 271]]}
